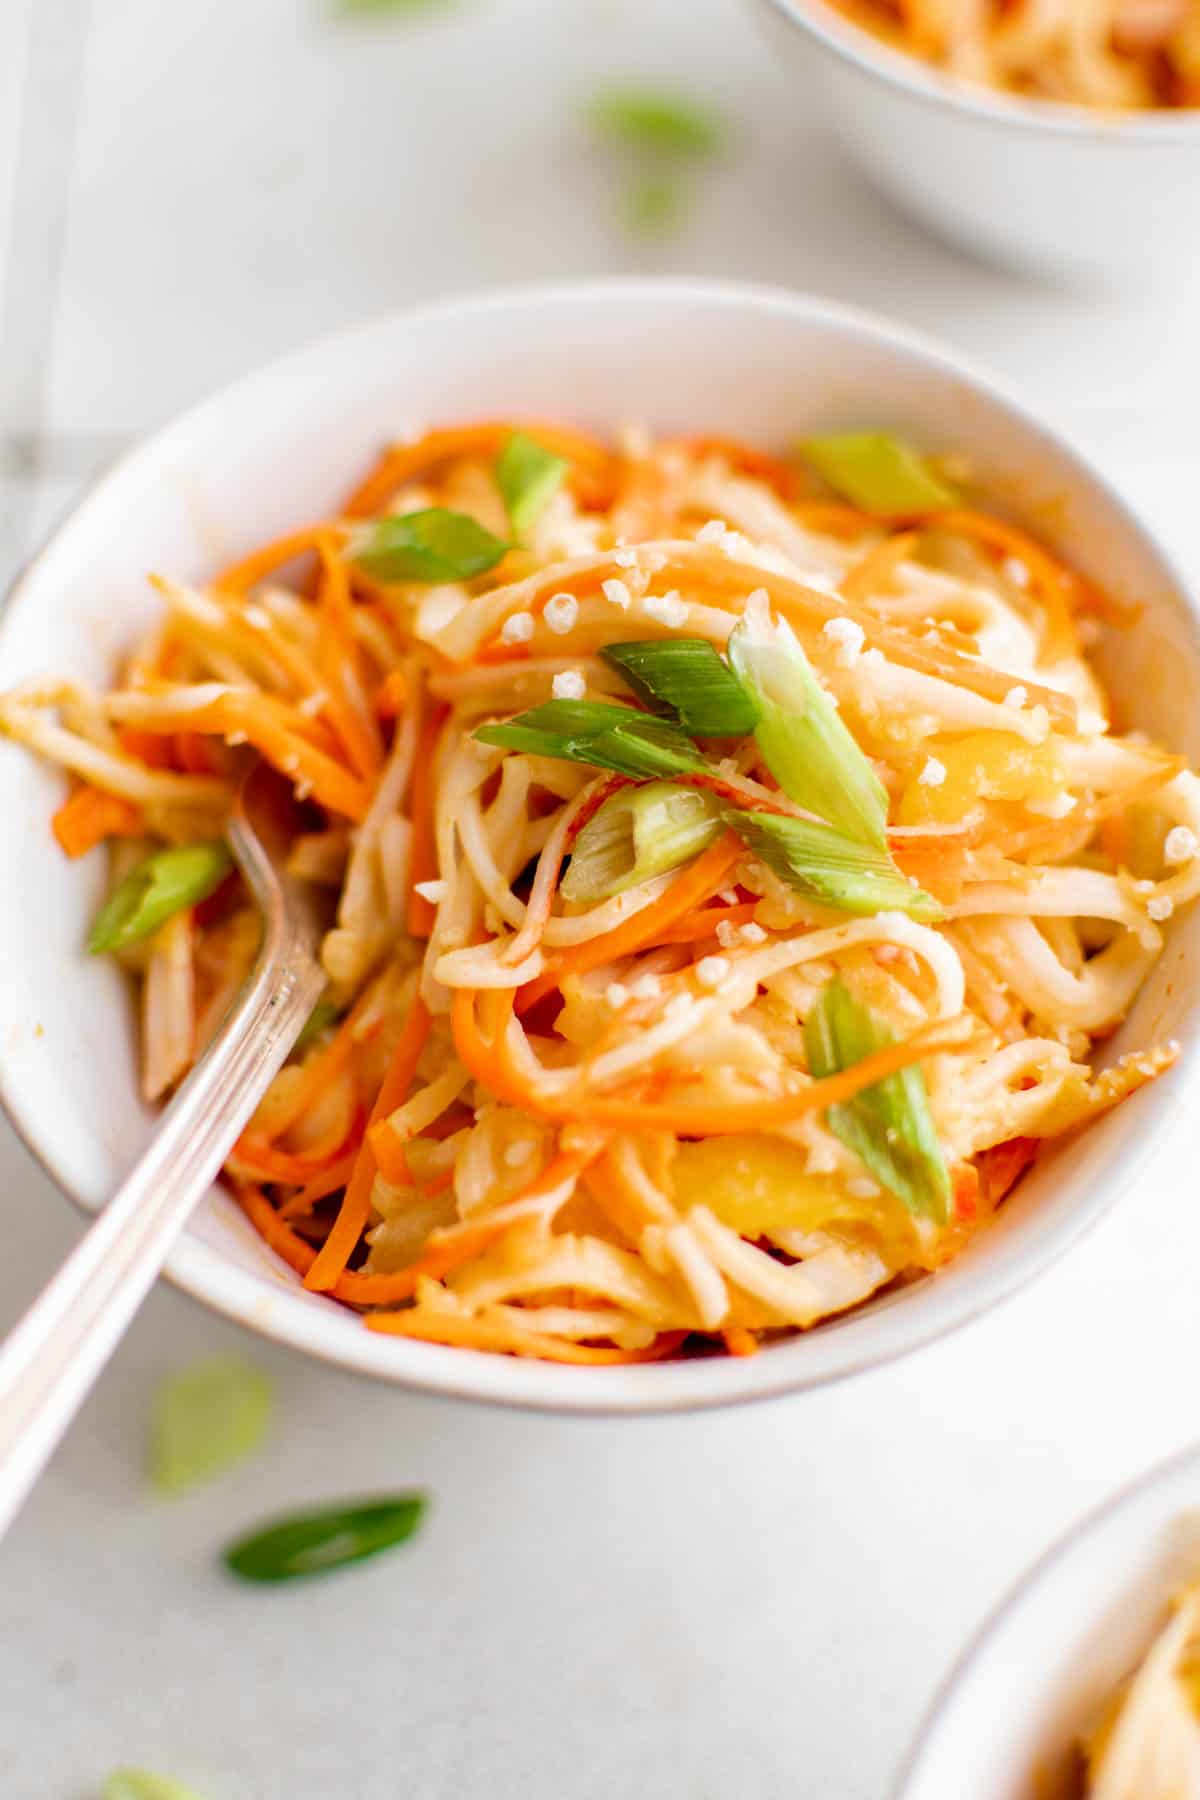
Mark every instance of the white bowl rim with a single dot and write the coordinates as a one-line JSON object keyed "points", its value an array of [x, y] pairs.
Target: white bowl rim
{"points": [[205, 1275], [924, 81], [1183, 1466]]}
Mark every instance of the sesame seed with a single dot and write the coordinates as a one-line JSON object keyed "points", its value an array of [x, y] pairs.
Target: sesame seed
{"points": [[667, 609], [433, 891], [862, 1188], [1016, 696], [712, 533], [517, 628], [568, 684], [616, 994], [727, 934], [617, 594], [516, 1154], [646, 987], [1016, 571], [752, 933], [625, 559], [1181, 846], [711, 971], [560, 613], [933, 774], [1161, 907], [847, 637], [679, 1006]]}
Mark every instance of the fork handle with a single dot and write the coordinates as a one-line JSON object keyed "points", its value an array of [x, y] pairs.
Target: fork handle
{"points": [[59, 1347]]}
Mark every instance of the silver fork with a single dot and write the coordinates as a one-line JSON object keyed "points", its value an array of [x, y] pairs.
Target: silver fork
{"points": [[55, 1352]]}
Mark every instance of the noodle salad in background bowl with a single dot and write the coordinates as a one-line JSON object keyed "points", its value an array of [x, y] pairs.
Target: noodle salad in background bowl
{"points": [[746, 763], [1063, 138], [1083, 1684]]}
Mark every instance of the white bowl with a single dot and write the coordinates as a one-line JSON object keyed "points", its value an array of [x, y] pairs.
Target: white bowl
{"points": [[1066, 190], [274, 450], [1004, 1724]]}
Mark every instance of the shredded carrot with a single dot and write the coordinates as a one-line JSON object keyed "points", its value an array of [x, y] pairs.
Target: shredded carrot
{"points": [[492, 1063], [1055, 584], [835, 517], [321, 1186], [689, 889], [783, 476], [873, 575], [1002, 1166], [965, 1190], [338, 661], [355, 1209], [145, 747], [704, 923], [423, 856], [391, 696], [739, 1341], [90, 816], [237, 577], [500, 1335], [591, 461]]}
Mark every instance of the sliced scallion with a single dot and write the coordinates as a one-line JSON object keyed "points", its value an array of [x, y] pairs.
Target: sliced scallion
{"points": [[206, 1417], [143, 1784], [831, 868], [323, 1015], [328, 1538], [636, 834], [878, 473], [528, 478], [432, 545], [653, 121], [160, 886], [688, 679], [807, 748], [888, 1126], [606, 737]]}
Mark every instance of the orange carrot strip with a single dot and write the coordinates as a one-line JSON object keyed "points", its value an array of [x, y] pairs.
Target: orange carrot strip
{"points": [[704, 923], [783, 476], [1055, 583], [1001, 1166], [250, 570], [835, 517], [514, 1340], [391, 696], [355, 1209], [321, 1186], [423, 856], [873, 574], [591, 462], [739, 1341], [491, 1062], [337, 658], [283, 740], [694, 885], [90, 816]]}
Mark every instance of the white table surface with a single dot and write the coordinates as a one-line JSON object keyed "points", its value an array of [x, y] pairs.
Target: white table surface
{"points": [[734, 1607]]}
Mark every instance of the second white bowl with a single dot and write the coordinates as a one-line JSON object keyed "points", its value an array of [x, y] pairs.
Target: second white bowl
{"points": [[1060, 189]]}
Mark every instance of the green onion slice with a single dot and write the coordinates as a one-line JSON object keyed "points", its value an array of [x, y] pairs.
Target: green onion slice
{"points": [[143, 1784], [323, 1015], [329, 1538], [433, 545], [206, 1417], [685, 677], [811, 754], [888, 1125], [160, 886], [636, 834], [528, 478], [650, 120], [606, 737], [878, 473], [831, 868]]}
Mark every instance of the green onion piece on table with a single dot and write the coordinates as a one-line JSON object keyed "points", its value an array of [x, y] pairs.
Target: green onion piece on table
{"points": [[528, 478], [686, 678], [160, 886], [206, 1417], [888, 1126], [829, 867], [651, 120], [878, 473], [636, 834], [142, 1784], [313, 1543], [804, 743], [432, 545]]}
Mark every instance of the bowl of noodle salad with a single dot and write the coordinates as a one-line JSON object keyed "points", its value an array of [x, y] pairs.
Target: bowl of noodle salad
{"points": [[1062, 136], [752, 812], [1083, 1685]]}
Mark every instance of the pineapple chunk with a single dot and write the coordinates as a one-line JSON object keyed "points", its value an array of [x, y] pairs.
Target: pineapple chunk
{"points": [[984, 765]]}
